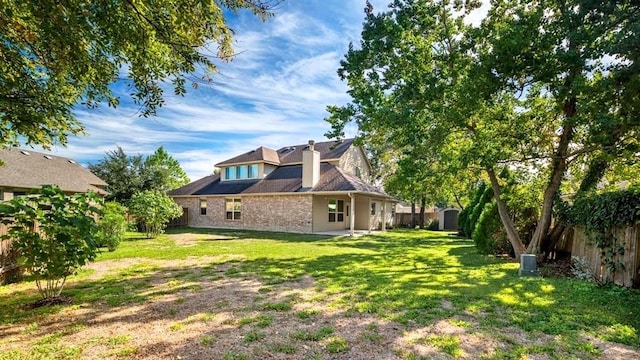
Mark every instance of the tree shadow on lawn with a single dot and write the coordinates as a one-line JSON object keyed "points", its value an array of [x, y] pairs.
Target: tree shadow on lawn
{"points": [[241, 234]]}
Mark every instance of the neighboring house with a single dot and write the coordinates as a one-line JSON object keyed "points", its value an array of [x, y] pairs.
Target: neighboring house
{"points": [[303, 188], [24, 170]]}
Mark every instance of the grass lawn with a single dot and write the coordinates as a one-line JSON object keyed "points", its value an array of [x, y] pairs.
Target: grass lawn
{"points": [[224, 294]]}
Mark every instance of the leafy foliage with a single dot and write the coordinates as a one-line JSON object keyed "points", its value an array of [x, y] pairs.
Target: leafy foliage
{"points": [[488, 234], [57, 54], [153, 209], [600, 214], [54, 233], [503, 95], [112, 226], [127, 175]]}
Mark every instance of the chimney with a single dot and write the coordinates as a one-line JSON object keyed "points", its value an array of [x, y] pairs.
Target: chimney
{"points": [[310, 166]]}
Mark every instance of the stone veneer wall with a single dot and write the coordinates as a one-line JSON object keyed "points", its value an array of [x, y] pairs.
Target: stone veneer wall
{"points": [[290, 213]]}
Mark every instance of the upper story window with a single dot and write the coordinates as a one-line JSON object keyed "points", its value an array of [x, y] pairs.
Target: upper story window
{"points": [[241, 172], [358, 172]]}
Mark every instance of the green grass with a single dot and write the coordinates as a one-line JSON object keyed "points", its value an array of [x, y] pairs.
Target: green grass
{"points": [[317, 335], [337, 345], [403, 276]]}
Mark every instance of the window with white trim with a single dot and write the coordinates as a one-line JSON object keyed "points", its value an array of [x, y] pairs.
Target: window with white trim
{"points": [[336, 210], [233, 209], [240, 172]]}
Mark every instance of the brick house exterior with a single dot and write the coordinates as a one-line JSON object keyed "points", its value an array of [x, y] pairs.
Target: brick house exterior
{"points": [[309, 188]]}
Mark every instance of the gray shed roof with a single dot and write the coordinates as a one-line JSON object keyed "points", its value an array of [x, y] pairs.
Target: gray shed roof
{"points": [[291, 154], [29, 169], [284, 179]]}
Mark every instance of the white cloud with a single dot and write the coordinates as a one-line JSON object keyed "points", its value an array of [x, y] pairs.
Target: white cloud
{"points": [[273, 93]]}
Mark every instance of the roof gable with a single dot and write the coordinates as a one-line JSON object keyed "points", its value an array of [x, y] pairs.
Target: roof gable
{"points": [[261, 154], [29, 169]]}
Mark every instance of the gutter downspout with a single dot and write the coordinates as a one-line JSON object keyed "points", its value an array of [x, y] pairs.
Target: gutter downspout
{"points": [[352, 214]]}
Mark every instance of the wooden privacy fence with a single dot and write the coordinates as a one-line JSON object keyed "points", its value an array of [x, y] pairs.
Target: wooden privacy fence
{"points": [[627, 275], [9, 269], [404, 219], [180, 221]]}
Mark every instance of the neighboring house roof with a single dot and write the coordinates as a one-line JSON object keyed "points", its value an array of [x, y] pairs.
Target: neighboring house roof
{"points": [[291, 154], [285, 179], [29, 169]]}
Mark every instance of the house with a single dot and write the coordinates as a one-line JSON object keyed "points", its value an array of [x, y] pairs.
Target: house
{"points": [[316, 187], [24, 170]]}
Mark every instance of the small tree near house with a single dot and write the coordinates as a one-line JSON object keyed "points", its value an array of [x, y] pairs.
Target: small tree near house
{"points": [[153, 209], [65, 236], [111, 226]]}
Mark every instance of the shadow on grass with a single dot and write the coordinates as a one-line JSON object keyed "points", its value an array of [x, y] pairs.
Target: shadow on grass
{"points": [[412, 278]]}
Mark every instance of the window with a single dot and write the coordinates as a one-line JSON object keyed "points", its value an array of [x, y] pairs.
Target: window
{"points": [[358, 172], [336, 210], [253, 171], [230, 173], [241, 172], [233, 209], [373, 208], [203, 206]]}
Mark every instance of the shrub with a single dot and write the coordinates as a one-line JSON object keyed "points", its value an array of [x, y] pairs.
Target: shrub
{"points": [[112, 226], [65, 236], [433, 225], [153, 209], [580, 269], [489, 235]]}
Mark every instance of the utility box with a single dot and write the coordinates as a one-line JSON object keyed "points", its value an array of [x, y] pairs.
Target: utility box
{"points": [[528, 265]]}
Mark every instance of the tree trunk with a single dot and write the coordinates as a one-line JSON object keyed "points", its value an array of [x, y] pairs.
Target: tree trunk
{"points": [[512, 234], [423, 202], [554, 236], [557, 173], [413, 214]]}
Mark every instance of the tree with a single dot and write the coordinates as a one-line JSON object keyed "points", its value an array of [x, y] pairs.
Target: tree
{"points": [[121, 172], [530, 90], [163, 172], [111, 226], [127, 175], [153, 209], [65, 237], [55, 55]]}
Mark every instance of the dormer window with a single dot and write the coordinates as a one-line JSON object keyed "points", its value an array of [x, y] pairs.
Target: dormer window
{"points": [[230, 173], [240, 172]]}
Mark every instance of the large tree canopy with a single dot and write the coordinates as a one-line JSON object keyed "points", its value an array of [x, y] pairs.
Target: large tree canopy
{"points": [[56, 54], [128, 175], [539, 87]]}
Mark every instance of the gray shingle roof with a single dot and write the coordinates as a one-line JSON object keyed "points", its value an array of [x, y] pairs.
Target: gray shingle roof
{"points": [[29, 169], [291, 154], [260, 154], [285, 179]]}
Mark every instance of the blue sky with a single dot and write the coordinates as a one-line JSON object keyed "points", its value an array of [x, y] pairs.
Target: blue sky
{"points": [[273, 93]]}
